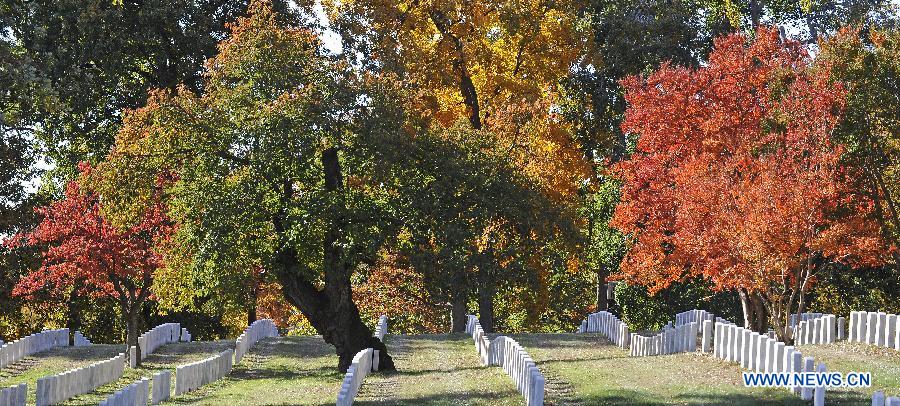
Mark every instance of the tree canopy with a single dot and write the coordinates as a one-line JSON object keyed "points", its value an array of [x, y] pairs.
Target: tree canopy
{"points": [[503, 158], [735, 177]]}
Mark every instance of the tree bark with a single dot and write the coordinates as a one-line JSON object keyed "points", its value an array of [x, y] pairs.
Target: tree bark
{"points": [[132, 321], [756, 317], [602, 289], [459, 297], [761, 315], [747, 308], [755, 13], [251, 306], [330, 310], [485, 300], [73, 313]]}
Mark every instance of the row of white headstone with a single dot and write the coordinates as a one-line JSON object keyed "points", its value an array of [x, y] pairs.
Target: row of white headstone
{"points": [[364, 362], [671, 340], [159, 336], [797, 318], [609, 325], [79, 340], [14, 395], [136, 393], [825, 329], [761, 353], [875, 328], [15, 351], [381, 327], [60, 387], [878, 399], [361, 366], [156, 337], [693, 316], [196, 374], [508, 354], [256, 331], [482, 342], [141, 391]]}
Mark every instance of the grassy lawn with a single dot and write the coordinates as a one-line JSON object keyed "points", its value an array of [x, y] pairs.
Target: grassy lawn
{"points": [[587, 369], [277, 371], [438, 370], [54, 361], [434, 370], [166, 357], [883, 363]]}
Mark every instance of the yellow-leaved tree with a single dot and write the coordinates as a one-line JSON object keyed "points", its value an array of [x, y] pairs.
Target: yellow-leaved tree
{"points": [[495, 67]]}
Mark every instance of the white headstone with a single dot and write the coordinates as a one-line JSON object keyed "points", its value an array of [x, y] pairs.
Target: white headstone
{"points": [[871, 322], [761, 354], [779, 357], [841, 330], [808, 366], [819, 399], [881, 330], [890, 336], [706, 343]]}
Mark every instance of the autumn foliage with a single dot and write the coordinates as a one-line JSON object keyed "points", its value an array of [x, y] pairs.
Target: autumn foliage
{"points": [[84, 249], [734, 178], [84, 246]]}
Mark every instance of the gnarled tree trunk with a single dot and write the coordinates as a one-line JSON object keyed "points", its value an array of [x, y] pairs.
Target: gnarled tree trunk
{"points": [[331, 309]]}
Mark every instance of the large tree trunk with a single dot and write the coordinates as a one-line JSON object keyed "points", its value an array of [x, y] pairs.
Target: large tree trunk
{"points": [[459, 298], [251, 305], [756, 317], [485, 299], [761, 315], [602, 289], [330, 310]]}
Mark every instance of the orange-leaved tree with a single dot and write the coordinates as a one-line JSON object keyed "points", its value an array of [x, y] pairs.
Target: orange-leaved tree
{"points": [[735, 179], [88, 252]]}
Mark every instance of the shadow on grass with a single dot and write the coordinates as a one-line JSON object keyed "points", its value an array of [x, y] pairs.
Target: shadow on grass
{"points": [[449, 399], [290, 347], [285, 373], [419, 372], [560, 341], [625, 397]]}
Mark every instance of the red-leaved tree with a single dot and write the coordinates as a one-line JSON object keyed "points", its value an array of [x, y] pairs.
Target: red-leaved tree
{"points": [[734, 178], [86, 251]]}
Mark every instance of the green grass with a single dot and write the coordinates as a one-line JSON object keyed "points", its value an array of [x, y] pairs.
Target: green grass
{"points": [[581, 369], [52, 362], [277, 371], [438, 370], [883, 363], [587, 369], [166, 357]]}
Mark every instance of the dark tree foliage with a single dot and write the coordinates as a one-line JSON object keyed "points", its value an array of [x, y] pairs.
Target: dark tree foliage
{"points": [[645, 312], [629, 38], [94, 59]]}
